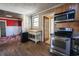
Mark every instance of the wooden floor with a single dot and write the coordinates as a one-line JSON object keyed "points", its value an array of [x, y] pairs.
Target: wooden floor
{"points": [[24, 49]]}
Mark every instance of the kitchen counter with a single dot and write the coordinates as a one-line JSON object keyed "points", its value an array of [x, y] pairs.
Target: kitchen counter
{"points": [[75, 35], [33, 31], [34, 35]]}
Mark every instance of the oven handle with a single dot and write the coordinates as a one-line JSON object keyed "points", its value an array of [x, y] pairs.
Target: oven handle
{"points": [[65, 39]]}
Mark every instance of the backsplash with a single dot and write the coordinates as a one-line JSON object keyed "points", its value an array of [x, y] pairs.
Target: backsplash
{"points": [[74, 25]]}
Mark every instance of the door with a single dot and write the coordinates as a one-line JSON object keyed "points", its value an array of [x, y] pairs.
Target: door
{"points": [[2, 29], [46, 30]]}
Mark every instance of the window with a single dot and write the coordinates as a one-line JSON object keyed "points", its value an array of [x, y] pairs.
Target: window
{"points": [[35, 22]]}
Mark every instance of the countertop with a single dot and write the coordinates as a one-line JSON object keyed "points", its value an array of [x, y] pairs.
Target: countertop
{"points": [[76, 35], [34, 30]]}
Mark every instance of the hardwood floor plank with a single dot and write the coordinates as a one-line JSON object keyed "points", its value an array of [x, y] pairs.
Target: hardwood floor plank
{"points": [[24, 49]]}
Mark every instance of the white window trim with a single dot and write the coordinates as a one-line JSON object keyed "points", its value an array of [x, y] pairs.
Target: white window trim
{"points": [[38, 22]]}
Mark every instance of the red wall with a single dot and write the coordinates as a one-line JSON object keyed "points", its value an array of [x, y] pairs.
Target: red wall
{"points": [[19, 23], [11, 22]]}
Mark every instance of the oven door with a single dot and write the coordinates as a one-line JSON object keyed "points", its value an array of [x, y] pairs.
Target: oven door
{"points": [[62, 45], [75, 46]]}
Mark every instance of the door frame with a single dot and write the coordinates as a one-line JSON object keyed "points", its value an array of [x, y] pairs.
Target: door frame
{"points": [[5, 25], [52, 14]]}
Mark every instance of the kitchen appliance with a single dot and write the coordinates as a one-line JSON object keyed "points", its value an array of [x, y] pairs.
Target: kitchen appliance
{"points": [[62, 43], [24, 37], [76, 46], [65, 16]]}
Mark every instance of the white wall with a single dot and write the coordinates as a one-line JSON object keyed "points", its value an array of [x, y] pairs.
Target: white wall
{"points": [[13, 30], [26, 23], [52, 26]]}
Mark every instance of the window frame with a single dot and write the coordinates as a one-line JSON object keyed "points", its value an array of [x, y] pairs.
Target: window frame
{"points": [[33, 17]]}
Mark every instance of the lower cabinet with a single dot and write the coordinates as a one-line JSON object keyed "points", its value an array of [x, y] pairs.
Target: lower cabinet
{"points": [[35, 36]]}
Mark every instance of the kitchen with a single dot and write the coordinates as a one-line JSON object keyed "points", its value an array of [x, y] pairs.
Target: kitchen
{"points": [[65, 30], [66, 33], [55, 27]]}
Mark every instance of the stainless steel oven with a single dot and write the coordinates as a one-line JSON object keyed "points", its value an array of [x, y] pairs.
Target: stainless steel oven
{"points": [[62, 41], [62, 45]]}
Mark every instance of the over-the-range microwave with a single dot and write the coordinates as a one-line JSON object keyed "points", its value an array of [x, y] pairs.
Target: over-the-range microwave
{"points": [[65, 16]]}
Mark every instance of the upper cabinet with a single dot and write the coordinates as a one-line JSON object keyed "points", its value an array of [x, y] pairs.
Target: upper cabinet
{"points": [[65, 7], [62, 8]]}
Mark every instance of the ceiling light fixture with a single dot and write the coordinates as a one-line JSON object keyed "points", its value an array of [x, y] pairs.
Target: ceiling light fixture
{"points": [[8, 16]]}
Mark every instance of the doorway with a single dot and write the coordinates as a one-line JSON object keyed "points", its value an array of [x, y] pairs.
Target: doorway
{"points": [[2, 29], [46, 29]]}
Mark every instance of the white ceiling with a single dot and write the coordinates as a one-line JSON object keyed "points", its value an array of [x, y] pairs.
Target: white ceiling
{"points": [[26, 8]]}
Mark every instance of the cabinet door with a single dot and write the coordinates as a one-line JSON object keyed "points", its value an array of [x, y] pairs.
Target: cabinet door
{"points": [[62, 8], [58, 10], [74, 6], [66, 7]]}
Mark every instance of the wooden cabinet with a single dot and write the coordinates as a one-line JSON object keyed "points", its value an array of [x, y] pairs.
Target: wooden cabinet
{"points": [[62, 8], [77, 12], [76, 7], [65, 7], [72, 6], [58, 10]]}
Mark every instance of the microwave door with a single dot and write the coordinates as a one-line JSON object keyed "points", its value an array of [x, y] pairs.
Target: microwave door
{"points": [[61, 17]]}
